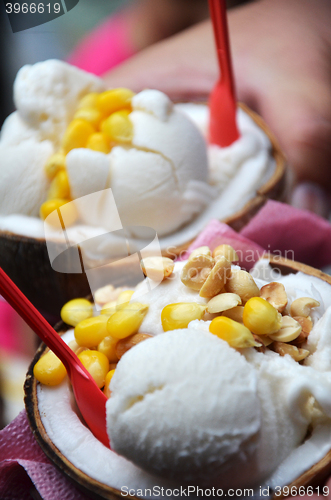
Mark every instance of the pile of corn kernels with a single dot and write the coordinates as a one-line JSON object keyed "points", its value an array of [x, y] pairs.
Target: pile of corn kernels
{"points": [[239, 313]]}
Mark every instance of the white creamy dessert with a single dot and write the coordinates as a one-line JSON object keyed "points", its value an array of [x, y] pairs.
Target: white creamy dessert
{"points": [[185, 406], [160, 178]]}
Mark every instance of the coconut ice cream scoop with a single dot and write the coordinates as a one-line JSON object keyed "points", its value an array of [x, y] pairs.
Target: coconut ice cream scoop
{"points": [[186, 406], [167, 418], [159, 178]]}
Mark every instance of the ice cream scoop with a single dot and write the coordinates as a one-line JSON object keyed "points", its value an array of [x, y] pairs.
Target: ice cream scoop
{"points": [[159, 179]]}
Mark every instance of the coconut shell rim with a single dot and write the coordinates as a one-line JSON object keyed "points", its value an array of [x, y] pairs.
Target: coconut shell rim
{"points": [[317, 473]]}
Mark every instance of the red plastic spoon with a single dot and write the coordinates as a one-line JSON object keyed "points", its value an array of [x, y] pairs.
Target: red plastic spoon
{"points": [[223, 129], [90, 399]]}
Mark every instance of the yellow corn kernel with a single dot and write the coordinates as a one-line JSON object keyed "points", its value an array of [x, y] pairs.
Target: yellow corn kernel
{"points": [[109, 376], [77, 134], [91, 115], [127, 320], [49, 206], [108, 347], [89, 101], [76, 310], [69, 213], [109, 308], [59, 187], [91, 331], [180, 314], [124, 297], [49, 370], [54, 164], [118, 127], [261, 317], [113, 100], [97, 364], [99, 142], [234, 333]]}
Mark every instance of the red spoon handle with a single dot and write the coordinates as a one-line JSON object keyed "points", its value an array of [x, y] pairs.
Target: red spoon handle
{"points": [[221, 33], [13, 295]]}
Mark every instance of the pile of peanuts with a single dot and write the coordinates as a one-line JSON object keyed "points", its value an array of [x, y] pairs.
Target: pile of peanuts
{"points": [[100, 122], [240, 313]]}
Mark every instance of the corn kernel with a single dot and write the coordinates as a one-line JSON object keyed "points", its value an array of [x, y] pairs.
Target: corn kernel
{"points": [[109, 308], [114, 100], [68, 214], [97, 364], [76, 310], [49, 206], [127, 320], [54, 164], [49, 370], [234, 333], [77, 134], [124, 297], [108, 347], [118, 127], [59, 187], [99, 142], [109, 376], [91, 331], [180, 314], [261, 317], [89, 101], [91, 115]]}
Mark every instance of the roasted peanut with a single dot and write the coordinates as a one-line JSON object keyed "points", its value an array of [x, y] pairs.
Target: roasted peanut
{"points": [[216, 279], [124, 345], [200, 251], [226, 251], [223, 302], [297, 354], [275, 294], [195, 272], [236, 314], [306, 325], [157, 268], [289, 330], [303, 306], [243, 284]]}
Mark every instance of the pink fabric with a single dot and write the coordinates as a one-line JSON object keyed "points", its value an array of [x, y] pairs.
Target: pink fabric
{"points": [[23, 466], [281, 228], [105, 47], [217, 233], [277, 227], [8, 324]]}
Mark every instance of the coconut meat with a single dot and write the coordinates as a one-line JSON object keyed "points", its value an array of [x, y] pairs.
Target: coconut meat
{"points": [[157, 415]]}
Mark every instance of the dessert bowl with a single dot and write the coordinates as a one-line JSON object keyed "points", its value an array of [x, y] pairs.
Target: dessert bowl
{"points": [[35, 132], [50, 409]]}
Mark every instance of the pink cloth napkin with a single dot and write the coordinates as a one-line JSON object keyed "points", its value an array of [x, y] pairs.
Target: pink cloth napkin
{"points": [[277, 228], [24, 466]]}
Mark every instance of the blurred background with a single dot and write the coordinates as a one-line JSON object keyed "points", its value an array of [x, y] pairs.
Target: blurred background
{"points": [[95, 35]]}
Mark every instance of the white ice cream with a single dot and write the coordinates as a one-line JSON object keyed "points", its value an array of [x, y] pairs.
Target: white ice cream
{"points": [[248, 412], [187, 406], [46, 96], [161, 180]]}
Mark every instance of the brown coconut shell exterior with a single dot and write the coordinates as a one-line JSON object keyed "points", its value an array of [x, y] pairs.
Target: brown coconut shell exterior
{"points": [[26, 259], [96, 490]]}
